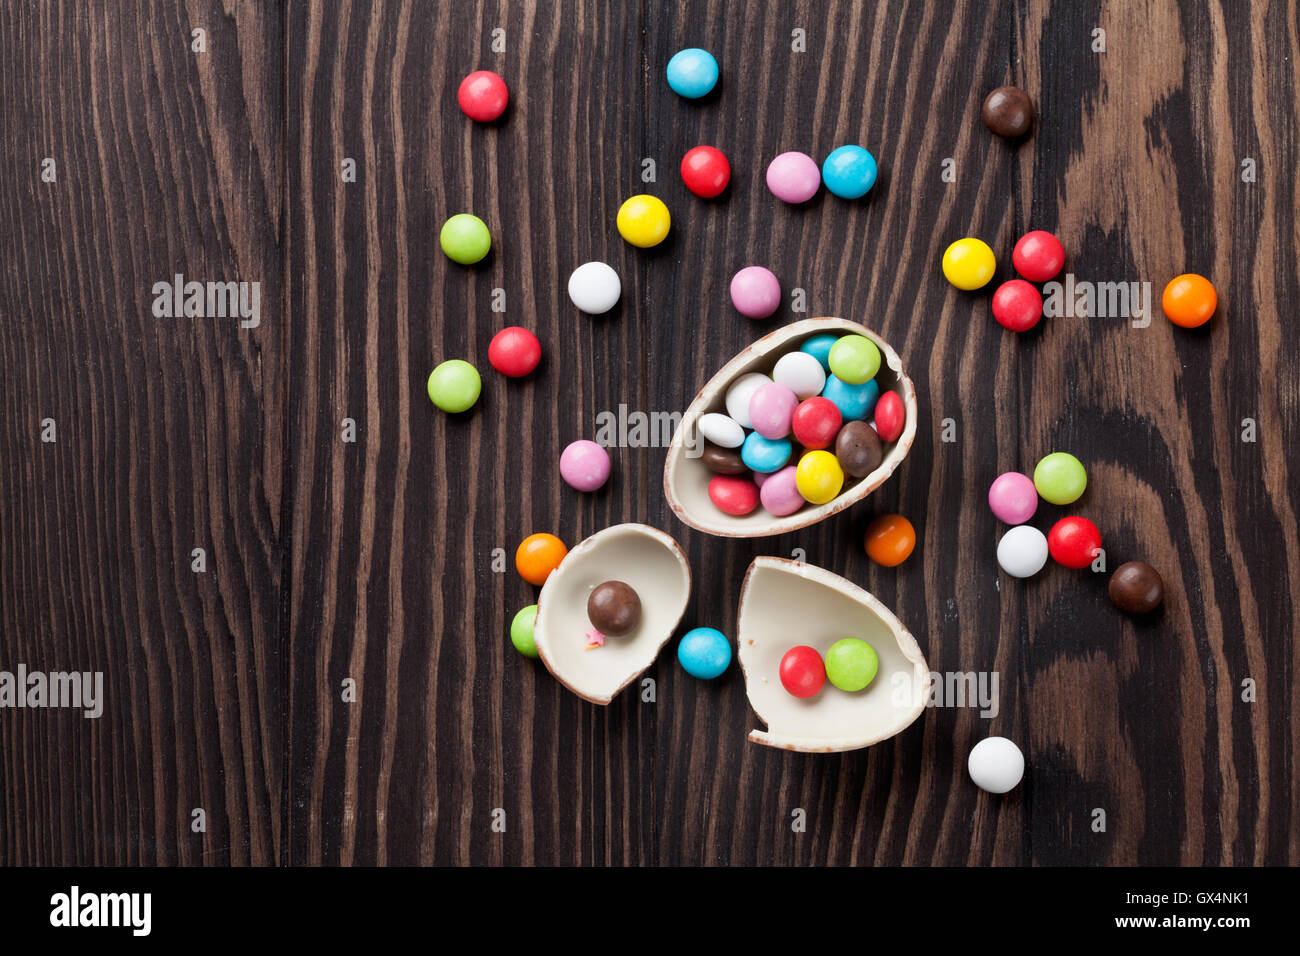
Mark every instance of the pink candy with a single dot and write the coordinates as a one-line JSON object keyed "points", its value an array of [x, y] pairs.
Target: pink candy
{"points": [[1013, 497], [794, 177], [755, 292], [584, 465], [780, 494], [771, 409]]}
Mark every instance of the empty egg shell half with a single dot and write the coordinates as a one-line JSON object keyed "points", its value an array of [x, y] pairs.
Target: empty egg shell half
{"points": [[786, 603], [686, 478], [650, 562]]}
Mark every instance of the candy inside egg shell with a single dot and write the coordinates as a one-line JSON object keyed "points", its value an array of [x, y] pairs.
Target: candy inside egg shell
{"points": [[648, 561], [774, 616]]}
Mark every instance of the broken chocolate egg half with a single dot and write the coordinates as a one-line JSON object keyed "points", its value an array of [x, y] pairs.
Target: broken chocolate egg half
{"points": [[786, 603], [645, 560]]}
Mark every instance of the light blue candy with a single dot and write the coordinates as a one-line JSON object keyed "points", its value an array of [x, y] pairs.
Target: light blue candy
{"points": [[765, 455], [819, 347], [704, 652], [855, 402], [849, 172], [692, 73]]}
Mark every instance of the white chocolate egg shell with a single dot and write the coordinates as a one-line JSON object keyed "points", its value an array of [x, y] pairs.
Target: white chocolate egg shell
{"points": [[787, 603], [686, 480], [650, 562]]}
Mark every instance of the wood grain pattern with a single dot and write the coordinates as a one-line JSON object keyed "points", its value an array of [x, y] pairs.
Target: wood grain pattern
{"points": [[373, 560]]}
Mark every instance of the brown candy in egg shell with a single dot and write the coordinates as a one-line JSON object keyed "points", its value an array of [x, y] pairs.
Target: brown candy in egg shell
{"points": [[722, 461], [858, 449], [614, 608], [1008, 112], [1136, 588]]}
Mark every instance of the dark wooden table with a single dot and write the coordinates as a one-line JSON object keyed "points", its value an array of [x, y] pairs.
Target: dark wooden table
{"points": [[372, 560]]}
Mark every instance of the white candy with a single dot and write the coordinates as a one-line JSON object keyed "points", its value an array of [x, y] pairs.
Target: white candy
{"points": [[801, 373], [721, 430], [1022, 552], [996, 765], [739, 394], [594, 287]]}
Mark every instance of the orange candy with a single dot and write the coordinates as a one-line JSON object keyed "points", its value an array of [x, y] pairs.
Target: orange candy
{"points": [[1189, 300], [538, 556], [890, 539]]}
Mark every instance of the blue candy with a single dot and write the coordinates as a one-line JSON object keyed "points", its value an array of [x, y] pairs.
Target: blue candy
{"points": [[692, 73], [855, 402], [765, 455], [704, 652], [819, 347], [849, 172]]}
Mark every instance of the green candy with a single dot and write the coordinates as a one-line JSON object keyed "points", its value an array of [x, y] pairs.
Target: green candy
{"points": [[1060, 478], [521, 631], [851, 664], [854, 359], [465, 239], [454, 386]]}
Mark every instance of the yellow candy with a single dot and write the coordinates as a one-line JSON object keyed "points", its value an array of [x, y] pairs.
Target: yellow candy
{"points": [[968, 264], [819, 477], [643, 221]]}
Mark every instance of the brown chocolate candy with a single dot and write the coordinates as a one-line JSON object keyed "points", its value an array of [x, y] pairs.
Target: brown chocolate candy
{"points": [[722, 461], [1008, 112], [614, 608], [858, 449], [1136, 588]]}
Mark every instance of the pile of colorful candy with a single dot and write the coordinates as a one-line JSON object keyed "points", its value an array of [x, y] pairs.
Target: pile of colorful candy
{"points": [[850, 665], [1038, 256], [772, 445]]}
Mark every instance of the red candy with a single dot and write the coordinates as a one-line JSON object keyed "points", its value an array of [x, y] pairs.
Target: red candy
{"points": [[1038, 256], [735, 494], [1017, 305], [705, 171], [816, 422], [483, 96], [1074, 542], [514, 351], [802, 671], [890, 416]]}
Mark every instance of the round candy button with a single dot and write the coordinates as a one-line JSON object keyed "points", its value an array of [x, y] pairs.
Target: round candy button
{"points": [[705, 171], [858, 449], [851, 664], [802, 672], [1022, 552], [692, 73], [1136, 588], [816, 422], [465, 239], [1017, 305], [1013, 499], [454, 386], [890, 540], [514, 351], [584, 465], [855, 359], [736, 495], [722, 430], [1008, 112], [779, 492], [521, 631], [594, 288], [801, 373], [891, 416], [1060, 478], [483, 96], [771, 409], [793, 177], [1038, 256], [704, 652], [644, 221], [855, 402], [739, 394], [819, 477], [849, 172], [1074, 542], [755, 292], [969, 264], [765, 455], [819, 347], [537, 556], [996, 765], [1189, 300]]}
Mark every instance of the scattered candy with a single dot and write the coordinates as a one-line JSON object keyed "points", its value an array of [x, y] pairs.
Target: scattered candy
{"points": [[739, 394], [1013, 499], [537, 556], [704, 652], [733, 494], [692, 73], [755, 292], [1189, 300], [890, 540], [521, 631], [1074, 542], [779, 493], [765, 455], [819, 477], [705, 171], [855, 359], [858, 449], [891, 416], [1060, 478], [1008, 112], [483, 96], [644, 221], [853, 401], [1136, 588], [1017, 305], [1038, 256], [595, 287], [793, 177], [614, 608], [996, 765], [801, 373], [816, 422], [771, 410], [595, 639], [849, 172], [454, 386], [803, 674], [584, 465], [819, 347], [722, 461], [722, 430], [1022, 552], [514, 351], [969, 264], [851, 664], [465, 239]]}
